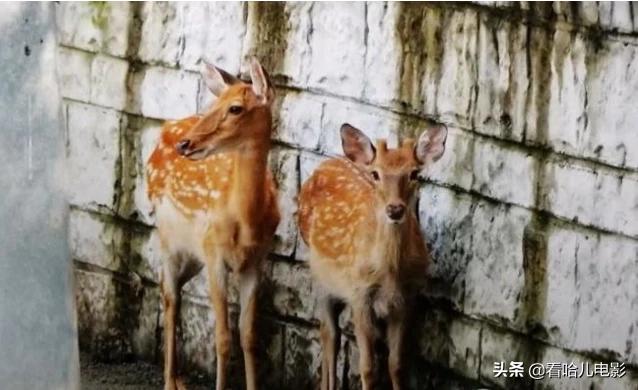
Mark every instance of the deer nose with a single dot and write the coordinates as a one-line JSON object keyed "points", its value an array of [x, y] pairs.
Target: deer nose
{"points": [[395, 211], [182, 146]]}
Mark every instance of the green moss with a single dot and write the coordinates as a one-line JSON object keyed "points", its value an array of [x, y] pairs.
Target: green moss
{"points": [[270, 27], [419, 29], [100, 16]]}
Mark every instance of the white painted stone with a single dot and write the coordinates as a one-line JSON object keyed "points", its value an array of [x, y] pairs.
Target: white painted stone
{"points": [[381, 60], [566, 117], [556, 355], [177, 33], [506, 174], [465, 351], [293, 294], [601, 199], [160, 40], [482, 165], [622, 17], [93, 153], [297, 59], [169, 94], [612, 84], [455, 86], [224, 35], [302, 356], [456, 166], [446, 221], [94, 26], [74, 73], [91, 240], [298, 120], [494, 276], [148, 248], [197, 287], [338, 48], [285, 164], [589, 13], [144, 335], [197, 335], [108, 81], [499, 346], [615, 16], [589, 304], [374, 122], [194, 19], [502, 79], [146, 143]]}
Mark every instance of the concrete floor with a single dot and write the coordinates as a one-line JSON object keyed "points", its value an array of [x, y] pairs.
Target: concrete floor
{"points": [[129, 376]]}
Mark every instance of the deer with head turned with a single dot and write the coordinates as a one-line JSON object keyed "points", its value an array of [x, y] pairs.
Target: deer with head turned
{"points": [[357, 216], [215, 205]]}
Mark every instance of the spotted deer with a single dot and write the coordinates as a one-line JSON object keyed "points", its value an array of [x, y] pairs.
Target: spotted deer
{"points": [[356, 215], [215, 205]]}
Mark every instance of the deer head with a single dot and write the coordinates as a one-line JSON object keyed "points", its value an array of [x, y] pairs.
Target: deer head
{"points": [[394, 172], [240, 115]]}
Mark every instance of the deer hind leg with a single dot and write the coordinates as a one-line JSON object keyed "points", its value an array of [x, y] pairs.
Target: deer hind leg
{"points": [[248, 285], [330, 340], [217, 282], [395, 334], [175, 273], [364, 333]]}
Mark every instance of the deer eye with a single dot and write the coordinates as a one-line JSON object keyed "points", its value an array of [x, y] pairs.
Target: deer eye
{"points": [[375, 175], [414, 175], [235, 110]]}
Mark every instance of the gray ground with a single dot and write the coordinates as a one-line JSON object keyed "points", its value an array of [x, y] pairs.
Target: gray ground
{"points": [[128, 376]]}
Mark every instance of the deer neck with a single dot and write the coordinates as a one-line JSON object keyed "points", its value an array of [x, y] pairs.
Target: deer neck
{"points": [[249, 179], [390, 239]]}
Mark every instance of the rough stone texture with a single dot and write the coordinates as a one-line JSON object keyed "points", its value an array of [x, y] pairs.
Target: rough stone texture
{"points": [[578, 193], [147, 138], [586, 294], [92, 240], [340, 26], [74, 74], [446, 217], [108, 82], [169, 94], [285, 163], [299, 121], [302, 364], [530, 214], [376, 123], [494, 279], [292, 294], [93, 152], [95, 26]]}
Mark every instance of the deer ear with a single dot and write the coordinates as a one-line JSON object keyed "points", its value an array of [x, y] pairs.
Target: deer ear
{"points": [[217, 80], [261, 82], [356, 145], [431, 144]]}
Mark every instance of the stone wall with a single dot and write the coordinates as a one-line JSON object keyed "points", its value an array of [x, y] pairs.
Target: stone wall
{"points": [[532, 213]]}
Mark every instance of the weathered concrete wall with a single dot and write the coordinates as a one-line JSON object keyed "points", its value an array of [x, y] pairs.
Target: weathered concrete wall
{"points": [[38, 333], [532, 213]]}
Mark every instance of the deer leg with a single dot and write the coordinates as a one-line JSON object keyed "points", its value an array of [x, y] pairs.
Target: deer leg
{"points": [[171, 299], [396, 330], [364, 334], [217, 276], [248, 283], [330, 340]]}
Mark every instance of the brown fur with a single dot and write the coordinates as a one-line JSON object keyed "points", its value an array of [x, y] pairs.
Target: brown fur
{"points": [[216, 207], [359, 255]]}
